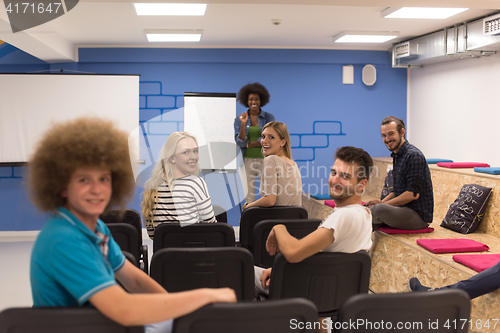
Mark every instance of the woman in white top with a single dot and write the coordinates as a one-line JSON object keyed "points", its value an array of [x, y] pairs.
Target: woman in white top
{"points": [[281, 183], [175, 192]]}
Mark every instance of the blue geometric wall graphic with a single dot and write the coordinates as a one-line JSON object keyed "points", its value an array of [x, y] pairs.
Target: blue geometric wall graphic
{"points": [[154, 103], [6, 49], [319, 138]]}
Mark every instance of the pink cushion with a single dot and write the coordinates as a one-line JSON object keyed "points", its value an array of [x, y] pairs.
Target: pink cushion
{"points": [[478, 262], [389, 230], [462, 164], [452, 245], [331, 203]]}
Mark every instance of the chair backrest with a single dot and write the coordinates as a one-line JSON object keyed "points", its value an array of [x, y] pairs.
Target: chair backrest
{"points": [[298, 228], [414, 312], [272, 316], [251, 216], [130, 257], [127, 238], [130, 216], [60, 320], [220, 213], [180, 269], [326, 278], [195, 235]]}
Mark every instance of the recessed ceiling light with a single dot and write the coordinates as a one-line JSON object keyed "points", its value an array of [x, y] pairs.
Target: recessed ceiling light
{"points": [[173, 35], [364, 36], [421, 12], [179, 9]]}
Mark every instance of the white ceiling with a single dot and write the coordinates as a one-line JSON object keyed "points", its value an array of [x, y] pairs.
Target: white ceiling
{"points": [[307, 24]]}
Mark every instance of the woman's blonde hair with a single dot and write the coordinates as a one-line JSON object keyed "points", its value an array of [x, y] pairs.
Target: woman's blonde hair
{"points": [[282, 131], [80, 143], [163, 172]]}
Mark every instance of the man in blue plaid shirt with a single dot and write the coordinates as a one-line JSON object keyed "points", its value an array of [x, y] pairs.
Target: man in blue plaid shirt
{"points": [[411, 203]]}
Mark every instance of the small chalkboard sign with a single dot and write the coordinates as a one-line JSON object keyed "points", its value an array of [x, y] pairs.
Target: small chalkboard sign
{"points": [[467, 212]]}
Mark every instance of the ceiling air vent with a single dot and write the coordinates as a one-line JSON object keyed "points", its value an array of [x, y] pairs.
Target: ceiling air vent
{"points": [[491, 25], [404, 50]]}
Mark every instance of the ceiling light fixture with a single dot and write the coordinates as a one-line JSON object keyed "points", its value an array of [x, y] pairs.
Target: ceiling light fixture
{"points": [[175, 9], [173, 35], [365, 36], [420, 12]]}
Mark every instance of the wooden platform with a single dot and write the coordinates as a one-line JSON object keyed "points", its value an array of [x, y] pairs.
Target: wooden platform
{"points": [[397, 258]]}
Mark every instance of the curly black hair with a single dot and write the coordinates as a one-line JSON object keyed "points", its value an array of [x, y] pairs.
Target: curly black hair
{"points": [[253, 88]]}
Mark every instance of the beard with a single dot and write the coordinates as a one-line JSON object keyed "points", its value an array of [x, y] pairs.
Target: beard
{"points": [[396, 145], [345, 193]]}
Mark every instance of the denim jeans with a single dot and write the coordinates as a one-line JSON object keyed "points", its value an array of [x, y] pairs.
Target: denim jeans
{"points": [[480, 284]]}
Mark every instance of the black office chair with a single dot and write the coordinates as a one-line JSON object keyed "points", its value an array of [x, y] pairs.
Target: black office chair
{"points": [[220, 213], [251, 216], [290, 315], [195, 235], [127, 238], [416, 312], [60, 320], [133, 218], [180, 269], [130, 257], [298, 228], [326, 278]]}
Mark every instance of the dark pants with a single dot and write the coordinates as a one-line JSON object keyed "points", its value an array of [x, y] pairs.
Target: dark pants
{"points": [[396, 217], [480, 284]]}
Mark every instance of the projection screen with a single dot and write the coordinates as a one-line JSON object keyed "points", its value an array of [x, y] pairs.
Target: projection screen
{"points": [[31, 103]]}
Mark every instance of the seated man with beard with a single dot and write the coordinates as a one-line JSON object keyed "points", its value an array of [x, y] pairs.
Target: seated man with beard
{"points": [[347, 229]]}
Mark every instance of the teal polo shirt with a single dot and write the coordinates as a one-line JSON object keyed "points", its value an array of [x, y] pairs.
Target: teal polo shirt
{"points": [[67, 262]]}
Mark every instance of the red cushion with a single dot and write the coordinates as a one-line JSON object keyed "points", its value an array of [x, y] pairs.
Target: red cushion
{"points": [[452, 245], [463, 164], [478, 262], [389, 230], [331, 203]]}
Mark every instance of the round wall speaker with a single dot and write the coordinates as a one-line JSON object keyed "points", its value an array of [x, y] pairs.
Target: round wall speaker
{"points": [[369, 75]]}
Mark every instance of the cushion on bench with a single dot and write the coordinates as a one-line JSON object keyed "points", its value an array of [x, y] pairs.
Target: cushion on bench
{"points": [[452, 245], [462, 164], [321, 196], [437, 160], [331, 203], [467, 211], [478, 262], [492, 171]]}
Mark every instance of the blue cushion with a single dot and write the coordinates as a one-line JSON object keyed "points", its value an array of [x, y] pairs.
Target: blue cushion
{"points": [[437, 160], [321, 196], [493, 171]]}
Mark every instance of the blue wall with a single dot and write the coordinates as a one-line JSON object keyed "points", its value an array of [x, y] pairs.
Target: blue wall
{"points": [[306, 91]]}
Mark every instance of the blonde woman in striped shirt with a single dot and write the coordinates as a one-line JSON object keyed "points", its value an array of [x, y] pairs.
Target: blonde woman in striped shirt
{"points": [[175, 192]]}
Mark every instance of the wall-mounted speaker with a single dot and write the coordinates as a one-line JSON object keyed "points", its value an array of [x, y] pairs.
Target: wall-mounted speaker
{"points": [[369, 75]]}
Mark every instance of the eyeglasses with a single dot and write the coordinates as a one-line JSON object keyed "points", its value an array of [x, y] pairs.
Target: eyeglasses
{"points": [[189, 152]]}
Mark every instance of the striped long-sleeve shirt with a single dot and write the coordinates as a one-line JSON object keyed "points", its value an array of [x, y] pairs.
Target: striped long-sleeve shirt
{"points": [[188, 203]]}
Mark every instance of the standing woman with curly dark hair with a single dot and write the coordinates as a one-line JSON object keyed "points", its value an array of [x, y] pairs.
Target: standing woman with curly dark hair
{"points": [[248, 133]]}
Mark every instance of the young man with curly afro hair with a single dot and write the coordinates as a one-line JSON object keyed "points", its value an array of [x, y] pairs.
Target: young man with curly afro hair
{"points": [[79, 169]]}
